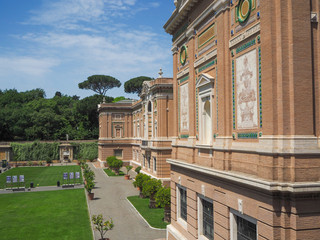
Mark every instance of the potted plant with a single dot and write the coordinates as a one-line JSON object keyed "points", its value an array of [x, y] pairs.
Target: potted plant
{"points": [[150, 188], [102, 226], [163, 199], [127, 176], [138, 183], [89, 186], [48, 162]]}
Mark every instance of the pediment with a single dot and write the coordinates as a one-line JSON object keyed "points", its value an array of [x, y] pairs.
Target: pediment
{"points": [[204, 79]]}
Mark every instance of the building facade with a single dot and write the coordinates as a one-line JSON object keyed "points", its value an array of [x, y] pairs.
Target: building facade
{"points": [[139, 132], [245, 158]]}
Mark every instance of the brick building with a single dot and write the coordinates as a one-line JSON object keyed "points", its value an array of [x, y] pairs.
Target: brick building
{"points": [[245, 158], [138, 132]]}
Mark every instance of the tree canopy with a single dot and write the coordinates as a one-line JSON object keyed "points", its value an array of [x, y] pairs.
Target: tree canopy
{"points": [[134, 85], [30, 116], [100, 83]]}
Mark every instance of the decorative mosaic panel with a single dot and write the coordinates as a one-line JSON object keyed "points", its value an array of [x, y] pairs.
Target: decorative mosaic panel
{"points": [[246, 84], [216, 86], [206, 66], [184, 79], [247, 135], [246, 45], [233, 99], [184, 107], [260, 91], [206, 35]]}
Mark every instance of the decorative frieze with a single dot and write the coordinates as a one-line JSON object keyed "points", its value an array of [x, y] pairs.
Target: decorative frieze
{"points": [[252, 135], [205, 58], [241, 37], [206, 35], [246, 45], [183, 72], [260, 91]]}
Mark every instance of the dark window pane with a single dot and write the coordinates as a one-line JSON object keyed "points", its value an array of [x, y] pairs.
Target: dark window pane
{"points": [[183, 204], [246, 230], [207, 221]]}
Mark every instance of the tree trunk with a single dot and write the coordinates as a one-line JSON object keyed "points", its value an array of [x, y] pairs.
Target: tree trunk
{"points": [[152, 202], [167, 213]]}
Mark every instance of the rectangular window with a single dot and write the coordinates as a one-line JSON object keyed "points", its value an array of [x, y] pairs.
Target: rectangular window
{"points": [[154, 164], [205, 218], [148, 162], [183, 203], [117, 153], [243, 227]]}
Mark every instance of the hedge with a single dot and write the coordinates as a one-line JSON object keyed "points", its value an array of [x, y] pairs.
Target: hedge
{"points": [[35, 151], [86, 151]]}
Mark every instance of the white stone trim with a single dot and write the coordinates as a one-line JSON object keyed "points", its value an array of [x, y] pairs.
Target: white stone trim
{"points": [[162, 179], [175, 233], [205, 58], [183, 72], [299, 187], [241, 37]]}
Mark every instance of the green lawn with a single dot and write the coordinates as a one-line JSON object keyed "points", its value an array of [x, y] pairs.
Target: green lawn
{"points": [[44, 176], [153, 216], [112, 174], [45, 215]]}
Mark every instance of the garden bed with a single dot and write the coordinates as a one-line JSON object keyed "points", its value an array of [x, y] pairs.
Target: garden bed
{"points": [[110, 173], [153, 216]]}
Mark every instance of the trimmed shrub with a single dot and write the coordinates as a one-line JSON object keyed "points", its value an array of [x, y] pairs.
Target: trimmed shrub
{"points": [[85, 151]]}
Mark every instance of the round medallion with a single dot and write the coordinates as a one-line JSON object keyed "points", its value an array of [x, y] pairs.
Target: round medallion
{"points": [[183, 55], [244, 10]]}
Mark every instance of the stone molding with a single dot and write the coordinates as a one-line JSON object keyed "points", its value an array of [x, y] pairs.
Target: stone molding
{"points": [[289, 187], [248, 33], [205, 58]]}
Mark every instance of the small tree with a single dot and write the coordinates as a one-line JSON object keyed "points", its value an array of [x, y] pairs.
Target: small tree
{"points": [[128, 167], [150, 188], [100, 83], [163, 199], [140, 179], [101, 225], [89, 185], [110, 159], [137, 170], [115, 165]]}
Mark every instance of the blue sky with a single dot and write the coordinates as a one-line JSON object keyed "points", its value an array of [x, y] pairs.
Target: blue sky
{"points": [[55, 44]]}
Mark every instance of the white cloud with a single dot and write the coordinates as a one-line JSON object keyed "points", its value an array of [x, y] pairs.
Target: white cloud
{"points": [[26, 65]]}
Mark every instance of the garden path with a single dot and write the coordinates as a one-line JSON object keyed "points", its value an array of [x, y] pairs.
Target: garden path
{"points": [[110, 199]]}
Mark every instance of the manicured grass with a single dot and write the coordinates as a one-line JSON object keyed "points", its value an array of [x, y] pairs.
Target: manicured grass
{"points": [[153, 216], [45, 215], [44, 176], [112, 174]]}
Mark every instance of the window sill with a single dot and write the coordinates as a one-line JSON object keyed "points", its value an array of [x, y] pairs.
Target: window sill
{"points": [[183, 223]]}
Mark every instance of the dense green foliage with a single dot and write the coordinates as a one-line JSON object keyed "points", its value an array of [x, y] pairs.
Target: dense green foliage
{"points": [[44, 176], [152, 216], [140, 179], [134, 85], [100, 83], [85, 151], [114, 163], [163, 197], [35, 151], [45, 215], [30, 116], [150, 187]]}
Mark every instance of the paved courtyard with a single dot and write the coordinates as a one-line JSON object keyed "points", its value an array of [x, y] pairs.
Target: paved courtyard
{"points": [[110, 199]]}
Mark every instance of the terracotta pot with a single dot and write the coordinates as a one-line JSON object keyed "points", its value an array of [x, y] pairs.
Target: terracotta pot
{"points": [[138, 188], [126, 177], [91, 196]]}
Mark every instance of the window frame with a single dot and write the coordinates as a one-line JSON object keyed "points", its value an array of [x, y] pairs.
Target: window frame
{"points": [[202, 198], [180, 220], [114, 153], [154, 164], [233, 223]]}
